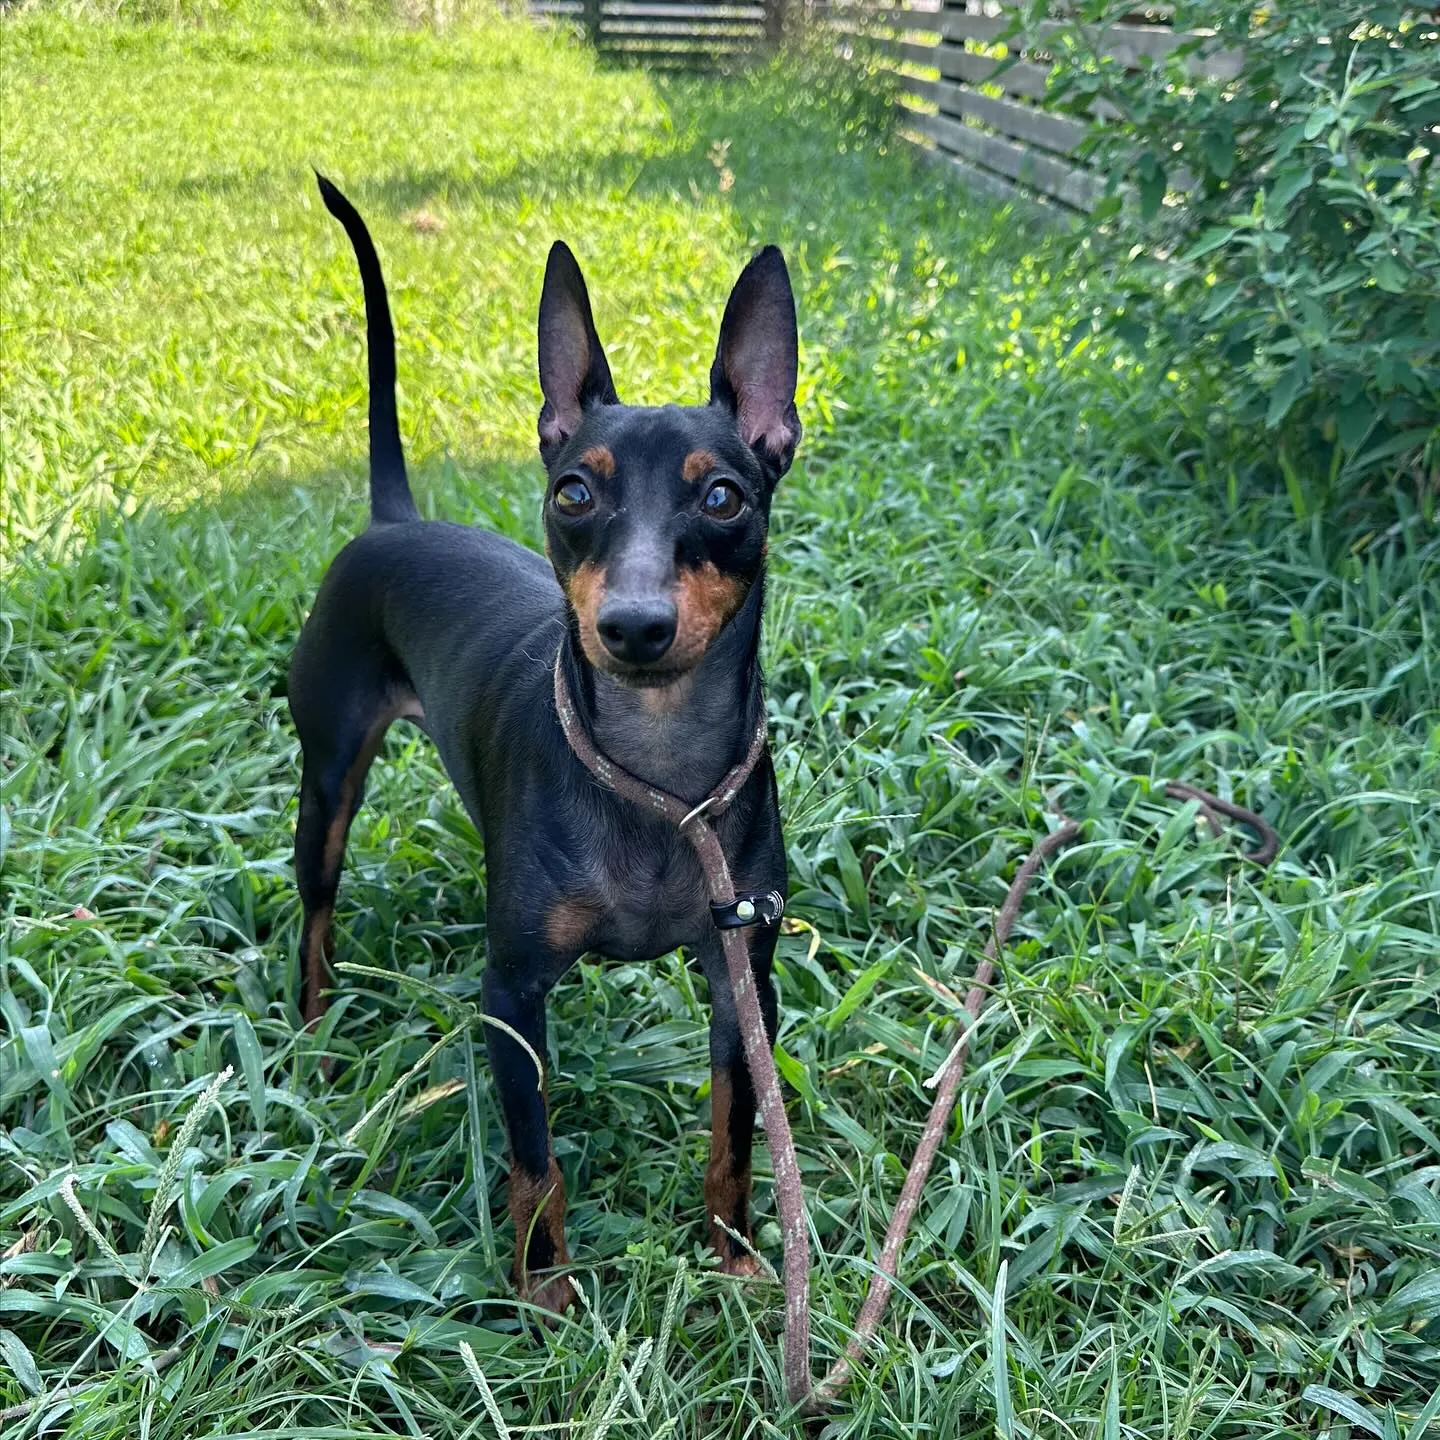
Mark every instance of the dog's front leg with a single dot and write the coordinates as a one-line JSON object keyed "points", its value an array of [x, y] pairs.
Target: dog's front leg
{"points": [[537, 1190], [732, 1099]]}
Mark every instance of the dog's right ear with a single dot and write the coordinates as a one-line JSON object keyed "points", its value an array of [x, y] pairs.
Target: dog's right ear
{"points": [[573, 370], [757, 359]]}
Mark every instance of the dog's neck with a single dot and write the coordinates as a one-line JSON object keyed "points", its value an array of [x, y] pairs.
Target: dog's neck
{"points": [[685, 736]]}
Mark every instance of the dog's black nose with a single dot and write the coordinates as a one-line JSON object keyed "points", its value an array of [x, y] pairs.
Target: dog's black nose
{"points": [[637, 631]]}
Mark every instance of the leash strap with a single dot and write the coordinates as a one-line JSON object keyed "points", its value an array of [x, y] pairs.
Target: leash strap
{"points": [[640, 792], [693, 822]]}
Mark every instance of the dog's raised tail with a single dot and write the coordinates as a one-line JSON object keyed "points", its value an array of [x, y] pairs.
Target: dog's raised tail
{"points": [[390, 498]]}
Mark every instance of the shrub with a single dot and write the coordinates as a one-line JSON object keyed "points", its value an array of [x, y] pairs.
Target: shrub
{"points": [[1289, 223]]}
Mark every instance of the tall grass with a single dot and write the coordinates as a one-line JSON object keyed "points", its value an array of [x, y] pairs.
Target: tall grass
{"points": [[1193, 1186]]}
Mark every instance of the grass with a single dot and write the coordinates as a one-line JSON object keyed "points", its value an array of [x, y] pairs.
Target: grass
{"points": [[1193, 1186]]}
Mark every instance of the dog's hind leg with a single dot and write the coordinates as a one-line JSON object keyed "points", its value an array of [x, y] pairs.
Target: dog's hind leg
{"points": [[340, 734]]}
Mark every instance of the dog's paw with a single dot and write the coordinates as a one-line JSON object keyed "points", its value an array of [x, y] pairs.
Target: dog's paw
{"points": [[553, 1293], [743, 1266]]}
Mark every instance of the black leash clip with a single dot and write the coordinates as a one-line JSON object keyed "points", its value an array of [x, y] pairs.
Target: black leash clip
{"points": [[758, 907]]}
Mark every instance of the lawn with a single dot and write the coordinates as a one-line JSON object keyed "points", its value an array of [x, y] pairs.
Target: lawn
{"points": [[1200, 1126]]}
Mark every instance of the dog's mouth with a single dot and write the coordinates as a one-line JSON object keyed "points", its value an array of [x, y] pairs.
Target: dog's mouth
{"points": [[658, 675]]}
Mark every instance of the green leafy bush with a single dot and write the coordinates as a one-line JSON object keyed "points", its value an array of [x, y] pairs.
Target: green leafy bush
{"points": [[1289, 220]]}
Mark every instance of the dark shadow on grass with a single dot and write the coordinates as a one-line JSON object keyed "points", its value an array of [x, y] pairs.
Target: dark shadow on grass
{"points": [[230, 581]]}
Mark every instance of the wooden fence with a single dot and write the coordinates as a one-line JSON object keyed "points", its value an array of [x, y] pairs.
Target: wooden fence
{"points": [[989, 119], [972, 96], [674, 34]]}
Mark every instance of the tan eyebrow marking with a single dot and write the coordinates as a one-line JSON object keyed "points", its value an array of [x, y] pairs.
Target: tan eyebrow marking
{"points": [[599, 459], [698, 464]]}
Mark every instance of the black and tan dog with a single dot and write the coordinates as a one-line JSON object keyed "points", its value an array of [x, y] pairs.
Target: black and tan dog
{"points": [[655, 528]]}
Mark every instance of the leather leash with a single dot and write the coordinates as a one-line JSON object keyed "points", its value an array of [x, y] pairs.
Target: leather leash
{"points": [[728, 910], [730, 916]]}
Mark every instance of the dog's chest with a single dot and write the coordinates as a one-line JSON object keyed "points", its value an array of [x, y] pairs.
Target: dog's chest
{"points": [[652, 897]]}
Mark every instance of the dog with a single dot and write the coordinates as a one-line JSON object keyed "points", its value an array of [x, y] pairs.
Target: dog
{"points": [[647, 612]]}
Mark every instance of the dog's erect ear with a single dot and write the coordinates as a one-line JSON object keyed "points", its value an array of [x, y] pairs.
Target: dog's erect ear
{"points": [[573, 369], [754, 371]]}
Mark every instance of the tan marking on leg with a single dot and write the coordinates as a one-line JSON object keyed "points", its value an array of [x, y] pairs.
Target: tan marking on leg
{"points": [[318, 958], [698, 464], [569, 923], [727, 1189], [537, 1206], [407, 709], [319, 951], [585, 591], [706, 600], [599, 461], [339, 828]]}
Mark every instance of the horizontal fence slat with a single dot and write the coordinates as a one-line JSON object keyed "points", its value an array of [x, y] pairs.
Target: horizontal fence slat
{"points": [[871, 33], [1022, 78], [977, 179], [987, 29], [661, 45], [874, 18], [1023, 122], [927, 90], [692, 35], [716, 43], [932, 20], [657, 10], [1039, 172], [720, 29], [671, 45], [913, 54], [672, 64], [697, 59], [673, 42], [1130, 44]]}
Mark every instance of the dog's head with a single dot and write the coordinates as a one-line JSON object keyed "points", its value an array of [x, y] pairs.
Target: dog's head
{"points": [[655, 519]]}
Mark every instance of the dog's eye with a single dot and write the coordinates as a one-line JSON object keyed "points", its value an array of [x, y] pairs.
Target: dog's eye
{"points": [[723, 501], [572, 496]]}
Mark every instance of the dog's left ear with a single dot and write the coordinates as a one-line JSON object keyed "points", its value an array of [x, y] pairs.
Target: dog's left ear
{"points": [[755, 362], [573, 370]]}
